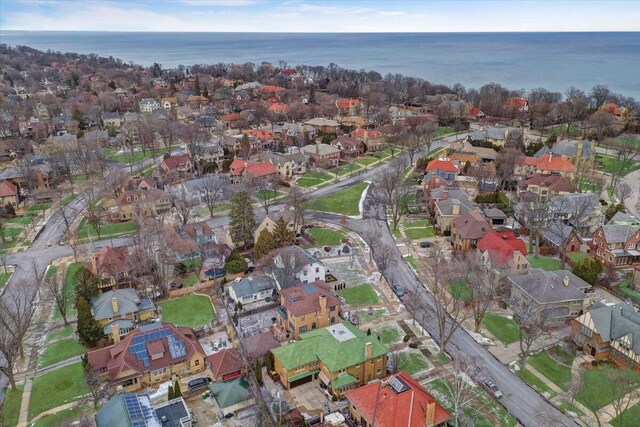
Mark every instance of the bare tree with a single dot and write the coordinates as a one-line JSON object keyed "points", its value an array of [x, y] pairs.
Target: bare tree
{"points": [[295, 201], [395, 360], [211, 191], [96, 386], [56, 289], [483, 281], [531, 326], [625, 386], [535, 214], [183, 203], [506, 162], [264, 191], [196, 140], [390, 189], [578, 211], [623, 192], [459, 388]]}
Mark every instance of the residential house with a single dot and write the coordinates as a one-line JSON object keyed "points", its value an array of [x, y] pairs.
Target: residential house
{"points": [[617, 245], [468, 229], [9, 194], [257, 346], [111, 265], [292, 264], [169, 102], [197, 101], [624, 218], [135, 203], [547, 185], [397, 401], [232, 395], [322, 155], [233, 143], [251, 289], [185, 114], [11, 149], [444, 168], [446, 211], [521, 104], [269, 223], [373, 140], [476, 114], [495, 216], [341, 356], [137, 410], [557, 295], [348, 106], [149, 355], [200, 232], [505, 252], [248, 171], [348, 146], [119, 311], [307, 306], [557, 234], [464, 148], [611, 332], [181, 165], [288, 164], [323, 125], [233, 120], [226, 364], [547, 164], [148, 105], [578, 152], [445, 192], [613, 108], [496, 135]]}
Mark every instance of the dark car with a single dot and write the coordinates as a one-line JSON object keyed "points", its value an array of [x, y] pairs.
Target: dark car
{"points": [[426, 244], [399, 291], [198, 383]]}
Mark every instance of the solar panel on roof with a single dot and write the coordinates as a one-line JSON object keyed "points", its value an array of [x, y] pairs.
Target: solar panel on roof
{"points": [[397, 385], [309, 288]]}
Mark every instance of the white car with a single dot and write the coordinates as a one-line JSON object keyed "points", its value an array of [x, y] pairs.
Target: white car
{"points": [[493, 388]]}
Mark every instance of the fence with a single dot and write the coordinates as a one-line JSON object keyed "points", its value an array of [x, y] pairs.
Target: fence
{"points": [[202, 285]]}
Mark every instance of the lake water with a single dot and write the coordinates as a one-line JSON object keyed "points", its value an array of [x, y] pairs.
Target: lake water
{"points": [[555, 61]]}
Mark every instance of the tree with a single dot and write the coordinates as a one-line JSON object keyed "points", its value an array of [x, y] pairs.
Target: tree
{"points": [[601, 121], [599, 95], [295, 201], [627, 153], [235, 263], [87, 284], [624, 385], [241, 218], [505, 164], [171, 394], [211, 191], [390, 189], [283, 236], [613, 209], [269, 361], [588, 270], [483, 282], [183, 203], [176, 389], [88, 329], [258, 371], [265, 244], [460, 391], [531, 326], [265, 192], [536, 214], [623, 191], [55, 287], [578, 211], [96, 386], [245, 148]]}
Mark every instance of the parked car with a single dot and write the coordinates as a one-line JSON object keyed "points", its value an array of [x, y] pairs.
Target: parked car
{"points": [[426, 244], [493, 388], [399, 291], [199, 383]]}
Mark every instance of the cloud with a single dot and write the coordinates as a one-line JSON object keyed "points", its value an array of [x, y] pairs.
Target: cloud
{"points": [[230, 3]]}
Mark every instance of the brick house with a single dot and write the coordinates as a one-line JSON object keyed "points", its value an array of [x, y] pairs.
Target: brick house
{"points": [[9, 194], [617, 245], [111, 265], [348, 146], [182, 165], [245, 171], [468, 229], [322, 155], [306, 307], [373, 140]]}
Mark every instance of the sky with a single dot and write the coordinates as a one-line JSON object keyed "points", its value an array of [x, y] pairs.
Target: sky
{"points": [[320, 15]]}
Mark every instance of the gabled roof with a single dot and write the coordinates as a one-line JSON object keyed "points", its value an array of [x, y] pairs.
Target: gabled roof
{"points": [[568, 148], [624, 218], [471, 225], [501, 246], [346, 141], [390, 408], [619, 233], [128, 410], [443, 165], [109, 261], [258, 345], [225, 362], [230, 393], [253, 169], [127, 300], [252, 285], [8, 189], [547, 287], [445, 207], [614, 323], [177, 161], [555, 183], [318, 121], [550, 162], [305, 298]]}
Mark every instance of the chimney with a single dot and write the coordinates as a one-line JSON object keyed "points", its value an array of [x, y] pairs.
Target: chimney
{"points": [[368, 350], [323, 305], [445, 194], [550, 156], [566, 280], [578, 153], [115, 332], [114, 303], [456, 207], [94, 264], [430, 413]]}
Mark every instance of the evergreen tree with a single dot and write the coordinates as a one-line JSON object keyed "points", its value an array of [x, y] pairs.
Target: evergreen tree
{"points": [[258, 371], [205, 92], [241, 218], [265, 244], [171, 395], [196, 86], [269, 361], [86, 284], [369, 331], [112, 85], [282, 235], [89, 330], [176, 390]]}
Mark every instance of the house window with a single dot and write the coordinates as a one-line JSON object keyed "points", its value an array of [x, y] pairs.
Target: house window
{"points": [[302, 317], [197, 362], [304, 272], [333, 320], [317, 269], [332, 308], [313, 325], [303, 329], [159, 371]]}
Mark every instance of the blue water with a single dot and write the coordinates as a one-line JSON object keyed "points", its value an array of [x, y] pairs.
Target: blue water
{"points": [[555, 61]]}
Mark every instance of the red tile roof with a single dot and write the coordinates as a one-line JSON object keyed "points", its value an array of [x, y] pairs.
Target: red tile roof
{"points": [[517, 102], [362, 133], [442, 165], [8, 189], [262, 135], [391, 409], [271, 89], [177, 161], [299, 302], [254, 169], [474, 111], [110, 261], [555, 163], [556, 183], [225, 362], [501, 246], [279, 108], [345, 104]]}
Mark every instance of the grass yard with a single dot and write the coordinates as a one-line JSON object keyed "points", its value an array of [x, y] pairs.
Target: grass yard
{"points": [[347, 169], [11, 232], [325, 236], [311, 179], [389, 334], [396, 233], [367, 160], [412, 261], [419, 233], [59, 351], [360, 295], [11, 406], [365, 317], [69, 289], [412, 362], [63, 332], [57, 388], [624, 287], [129, 158], [4, 278], [79, 179], [345, 201], [67, 199], [86, 230], [597, 391], [558, 373], [503, 328], [570, 409], [544, 263], [38, 207], [578, 256], [190, 280], [628, 418], [442, 131], [460, 291], [536, 383], [64, 418], [20, 220], [416, 223], [191, 311], [611, 164]]}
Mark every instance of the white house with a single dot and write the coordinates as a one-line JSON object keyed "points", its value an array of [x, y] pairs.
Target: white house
{"points": [[148, 105], [251, 289]]}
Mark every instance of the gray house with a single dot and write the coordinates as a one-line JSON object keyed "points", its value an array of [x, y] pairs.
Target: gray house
{"points": [[251, 289]]}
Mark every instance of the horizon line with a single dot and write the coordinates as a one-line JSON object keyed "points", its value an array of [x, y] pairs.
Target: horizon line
{"points": [[324, 32]]}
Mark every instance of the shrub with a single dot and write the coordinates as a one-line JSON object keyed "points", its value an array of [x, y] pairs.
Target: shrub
{"points": [[588, 270], [446, 233], [406, 338]]}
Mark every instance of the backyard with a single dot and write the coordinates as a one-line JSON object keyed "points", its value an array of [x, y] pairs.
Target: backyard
{"points": [[345, 201], [544, 262], [609, 164], [503, 328], [360, 295], [56, 388], [192, 311]]}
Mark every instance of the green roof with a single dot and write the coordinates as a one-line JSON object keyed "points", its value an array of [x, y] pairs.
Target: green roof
{"points": [[303, 375], [335, 354], [232, 392], [343, 380]]}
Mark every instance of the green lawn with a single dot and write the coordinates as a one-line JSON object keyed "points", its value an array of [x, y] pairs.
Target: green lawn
{"points": [[56, 388], [396, 233], [311, 179], [204, 211], [325, 236], [416, 223], [38, 207], [578, 256], [192, 264], [191, 311], [544, 262], [460, 291], [347, 169], [367, 160], [389, 334], [79, 179], [86, 230], [365, 317], [562, 129], [597, 391], [611, 164], [624, 287], [442, 131], [360, 295], [419, 233], [345, 201], [413, 361], [628, 418], [137, 156], [568, 408], [190, 280], [20, 220], [4, 278], [63, 332], [11, 406], [268, 195], [503, 328], [60, 350], [69, 289], [12, 232], [536, 383], [67, 199], [63, 418], [412, 261], [555, 371]]}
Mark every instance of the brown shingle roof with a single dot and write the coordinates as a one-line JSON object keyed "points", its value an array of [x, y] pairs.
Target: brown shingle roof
{"points": [[471, 225], [305, 299], [225, 362]]}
